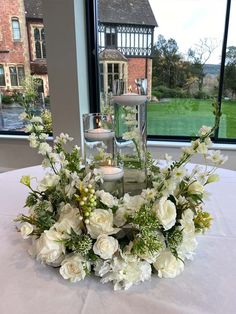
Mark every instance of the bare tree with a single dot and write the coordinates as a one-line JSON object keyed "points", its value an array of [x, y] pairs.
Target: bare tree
{"points": [[199, 56]]}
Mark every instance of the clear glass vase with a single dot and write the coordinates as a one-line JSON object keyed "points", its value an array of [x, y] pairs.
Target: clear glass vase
{"points": [[130, 115], [98, 138]]}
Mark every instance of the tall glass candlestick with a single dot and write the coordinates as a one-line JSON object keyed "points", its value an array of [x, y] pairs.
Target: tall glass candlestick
{"points": [[98, 138]]}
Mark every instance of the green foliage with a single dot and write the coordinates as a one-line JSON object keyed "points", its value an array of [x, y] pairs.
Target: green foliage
{"points": [[202, 221], [44, 219], [6, 99], [79, 243], [174, 238], [31, 200]]}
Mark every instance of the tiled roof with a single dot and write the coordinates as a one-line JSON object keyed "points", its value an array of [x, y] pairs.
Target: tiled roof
{"points": [[111, 55], [126, 12], [33, 9], [137, 12]]}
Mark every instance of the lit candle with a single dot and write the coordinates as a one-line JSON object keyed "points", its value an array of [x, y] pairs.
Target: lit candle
{"points": [[99, 134], [111, 173]]}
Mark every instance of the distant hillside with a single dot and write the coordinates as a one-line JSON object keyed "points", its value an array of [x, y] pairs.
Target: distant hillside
{"points": [[213, 69]]}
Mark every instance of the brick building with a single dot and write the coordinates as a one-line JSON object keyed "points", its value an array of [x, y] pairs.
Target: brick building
{"points": [[125, 39]]}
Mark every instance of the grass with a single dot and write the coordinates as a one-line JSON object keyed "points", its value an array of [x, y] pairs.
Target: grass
{"points": [[184, 117]]}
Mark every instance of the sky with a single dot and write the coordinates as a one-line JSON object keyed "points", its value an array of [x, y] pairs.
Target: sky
{"points": [[188, 21]]}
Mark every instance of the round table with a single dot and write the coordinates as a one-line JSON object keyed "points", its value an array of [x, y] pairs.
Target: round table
{"points": [[207, 285]]}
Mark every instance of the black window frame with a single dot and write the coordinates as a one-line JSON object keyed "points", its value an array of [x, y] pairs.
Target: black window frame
{"points": [[93, 60], [39, 42], [17, 75]]}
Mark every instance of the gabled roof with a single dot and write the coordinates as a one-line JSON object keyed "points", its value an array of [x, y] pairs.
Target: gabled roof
{"points": [[112, 55], [138, 12], [33, 9]]}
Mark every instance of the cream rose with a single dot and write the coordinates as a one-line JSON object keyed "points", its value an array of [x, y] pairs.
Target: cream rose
{"points": [[101, 222], [26, 229], [196, 188], [48, 248], [69, 219], [120, 217], [50, 180], [107, 199], [167, 265], [166, 212], [105, 246], [187, 223], [187, 247], [74, 268]]}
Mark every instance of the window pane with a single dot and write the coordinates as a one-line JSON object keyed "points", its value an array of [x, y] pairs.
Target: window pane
{"points": [[36, 34], [44, 49], [16, 29], [38, 49], [228, 119], [109, 68], [13, 75], [2, 76], [21, 75]]}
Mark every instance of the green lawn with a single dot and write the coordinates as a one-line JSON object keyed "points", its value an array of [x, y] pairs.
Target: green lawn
{"points": [[185, 117]]}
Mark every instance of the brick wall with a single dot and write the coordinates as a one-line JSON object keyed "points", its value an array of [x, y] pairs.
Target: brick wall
{"points": [[13, 52], [137, 69]]}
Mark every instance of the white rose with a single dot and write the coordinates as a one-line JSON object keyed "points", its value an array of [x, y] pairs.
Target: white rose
{"points": [[105, 246], [166, 212], [50, 180], [36, 119], [69, 219], [187, 247], [101, 222], [120, 217], [167, 265], [107, 199], [133, 203], [26, 229], [74, 268], [187, 223], [195, 188], [48, 248]]}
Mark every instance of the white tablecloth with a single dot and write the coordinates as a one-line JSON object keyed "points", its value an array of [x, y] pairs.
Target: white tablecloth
{"points": [[208, 284]]}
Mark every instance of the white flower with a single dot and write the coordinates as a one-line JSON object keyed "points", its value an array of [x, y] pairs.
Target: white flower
{"points": [[49, 181], [105, 246], [29, 128], [107, 199], [216, 157], [63, 139], [49, 248], [120, 217], [204, 130], [188, 150], [38, 128], [74, 268], [195, 188], [133, 203], [213, 178], [33, 140], [101, 267], [167, 265], [101, 222], [179, 173], [126, 271], [187, 222], [69, 219], [188, 246], [36, 119], [202, 148], [149, 194], [23, 116], [26, 229], [166, 212], [44, 149]]}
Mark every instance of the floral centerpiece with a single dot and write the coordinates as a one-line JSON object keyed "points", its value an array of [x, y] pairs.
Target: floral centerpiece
{"points": [[81, 230]]}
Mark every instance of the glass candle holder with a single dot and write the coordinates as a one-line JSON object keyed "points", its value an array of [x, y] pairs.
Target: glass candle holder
{"points": [[113, 180], [130, 112], [98, 138]]}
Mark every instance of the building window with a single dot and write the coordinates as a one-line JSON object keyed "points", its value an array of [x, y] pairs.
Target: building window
{"points": [[16, 29], [112, 75], [17, 75], [39, 42], [2, 76], [111, 37]]}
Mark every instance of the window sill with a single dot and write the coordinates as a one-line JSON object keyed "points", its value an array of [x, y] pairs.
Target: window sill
{"points": [[19, 137], [182, 144]]}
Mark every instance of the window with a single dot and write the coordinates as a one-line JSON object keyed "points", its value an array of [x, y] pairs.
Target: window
{"points": [[111, 37], [39, 42], [17, 75], [2, 76], [16, 29]]}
